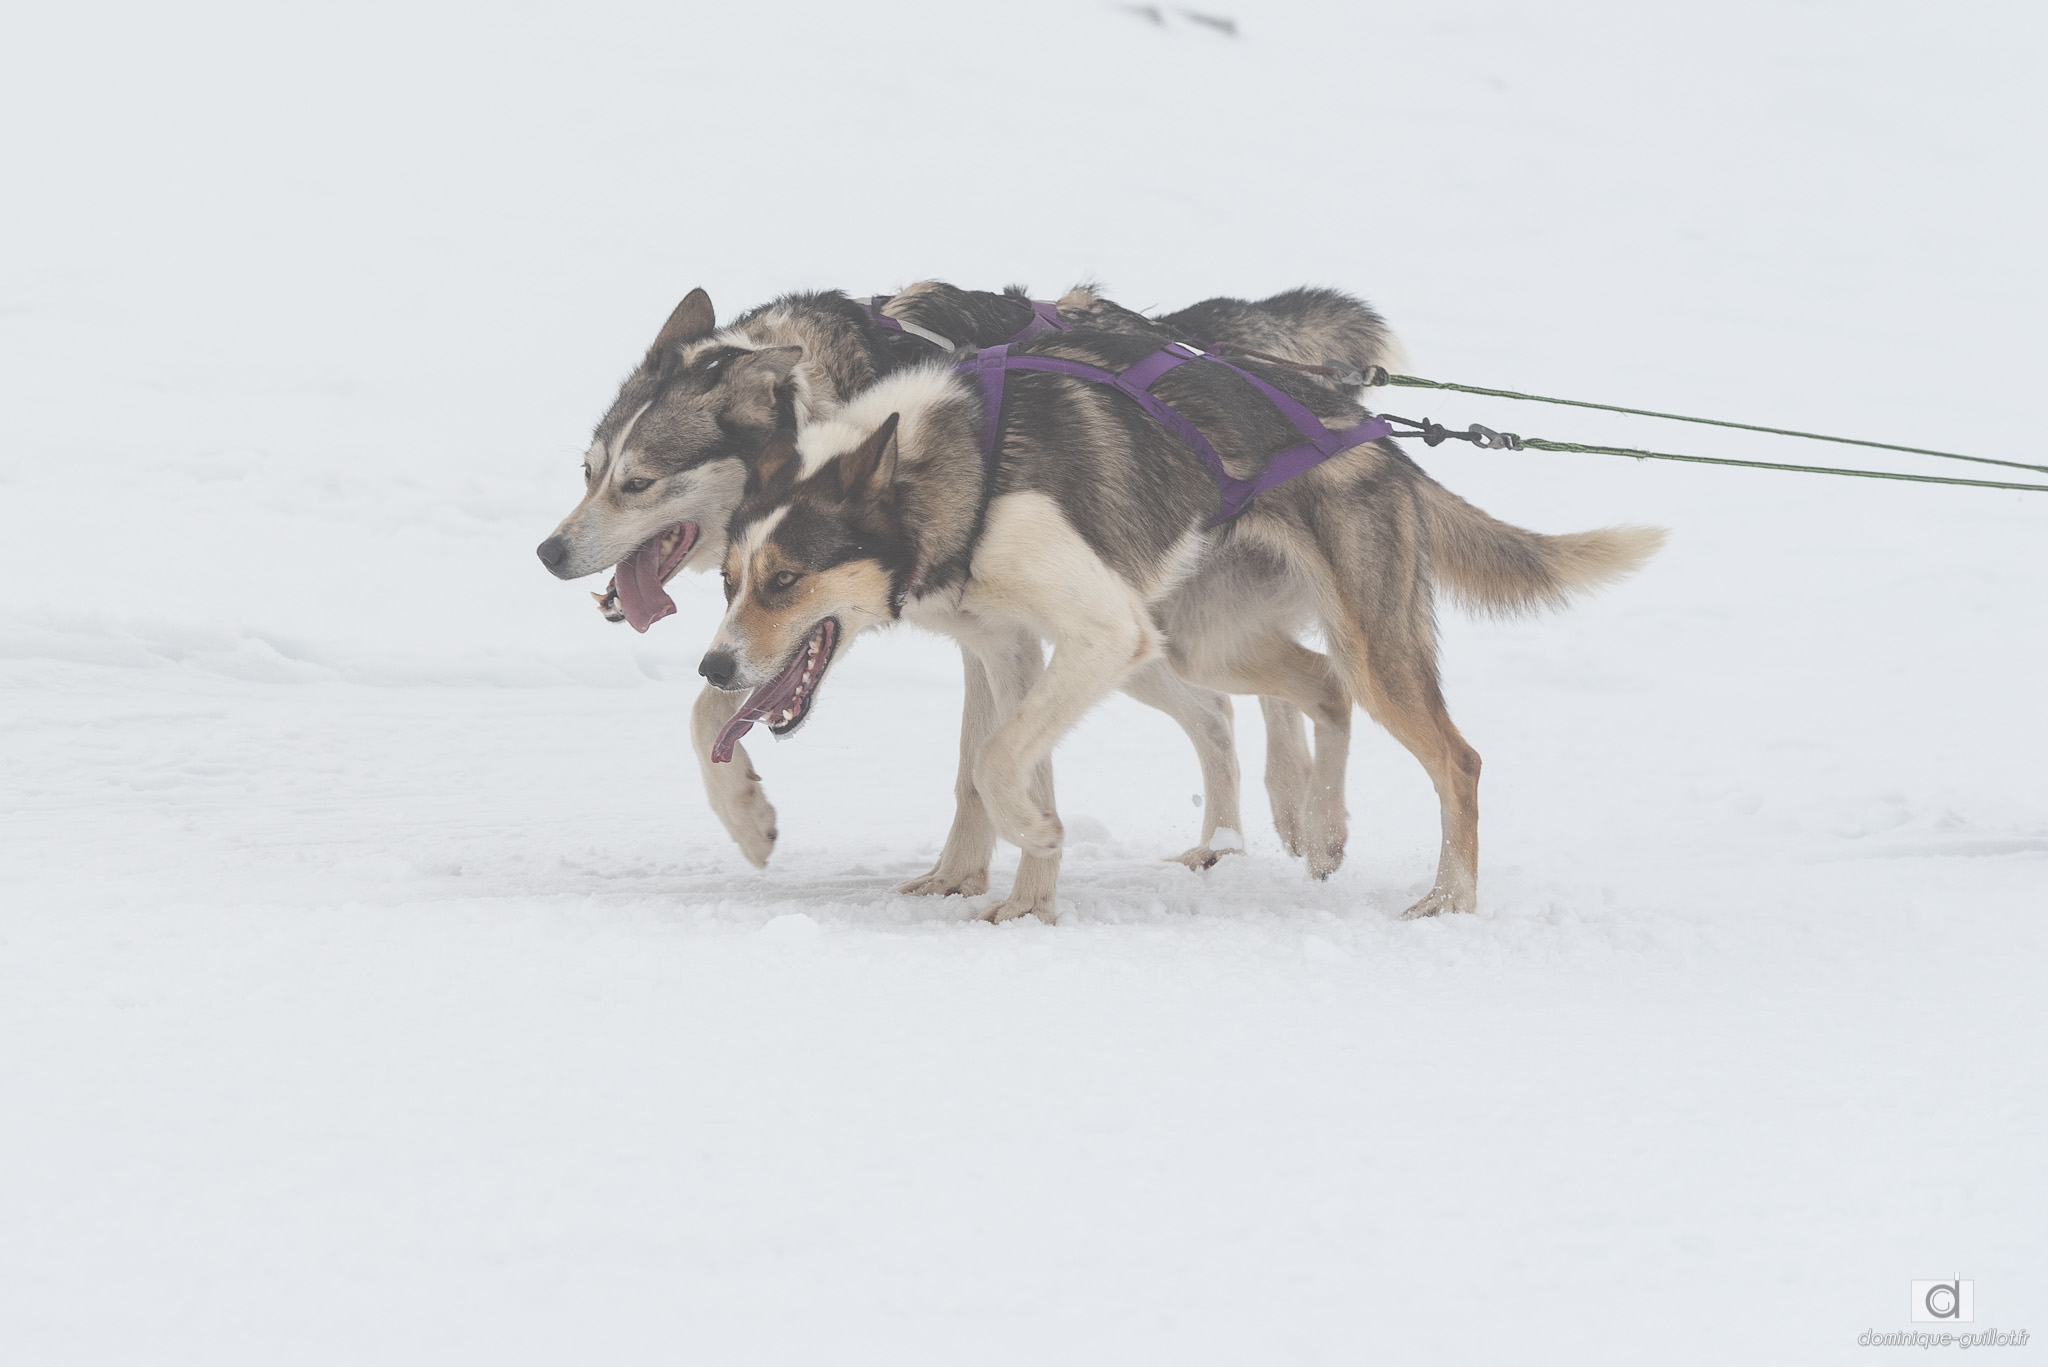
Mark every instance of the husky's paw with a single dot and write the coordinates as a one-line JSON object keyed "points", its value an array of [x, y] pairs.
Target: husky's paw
{"points": [[1202, 857], [1289, 826], [1020, 904], [940, 883], [1324, 833], [1437, 902], [1287, 794]]}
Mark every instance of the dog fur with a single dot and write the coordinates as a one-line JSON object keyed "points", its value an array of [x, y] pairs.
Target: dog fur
{"points": [[666, 462]]}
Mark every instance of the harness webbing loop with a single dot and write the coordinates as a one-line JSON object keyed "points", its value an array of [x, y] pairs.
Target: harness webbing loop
{"points": [[1044, 318], [884, 321]]}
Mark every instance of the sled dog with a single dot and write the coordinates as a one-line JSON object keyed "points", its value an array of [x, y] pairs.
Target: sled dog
{"points": [[666, 465], [1082, 531]]}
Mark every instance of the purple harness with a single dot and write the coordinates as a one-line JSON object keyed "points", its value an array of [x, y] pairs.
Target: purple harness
{"points": [[1317, 445]]}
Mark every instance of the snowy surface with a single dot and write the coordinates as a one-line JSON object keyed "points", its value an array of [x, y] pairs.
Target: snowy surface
{"points": [[375, 987]]}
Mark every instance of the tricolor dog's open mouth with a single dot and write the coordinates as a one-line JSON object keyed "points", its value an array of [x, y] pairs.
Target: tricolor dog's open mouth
{"points": [[785, 700], [636, 586]]}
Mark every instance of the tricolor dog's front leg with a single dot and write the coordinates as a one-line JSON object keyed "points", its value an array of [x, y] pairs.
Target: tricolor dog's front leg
{"points": [[734, 790], [1034, 571], [1012, 671]]}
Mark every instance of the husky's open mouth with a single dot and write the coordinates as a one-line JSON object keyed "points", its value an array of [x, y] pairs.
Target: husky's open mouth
{"points": [[785, 700], [636, 585]]}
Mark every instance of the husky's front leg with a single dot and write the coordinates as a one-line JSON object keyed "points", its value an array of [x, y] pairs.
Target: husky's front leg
{"points": [[963, 864], [1205, 716], [734, 790], [1288, 762]]}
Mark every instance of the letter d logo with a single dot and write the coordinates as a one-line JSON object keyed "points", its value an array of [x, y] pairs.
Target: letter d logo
{"points": [[1949, 1300]]}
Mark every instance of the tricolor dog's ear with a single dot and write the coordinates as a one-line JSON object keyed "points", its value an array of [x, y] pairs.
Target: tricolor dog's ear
{"points": [[869, 469], [775, 469], [693, 318]]}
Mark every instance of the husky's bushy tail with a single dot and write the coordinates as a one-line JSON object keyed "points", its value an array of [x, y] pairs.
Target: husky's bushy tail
{"points": [[1500, 570]]}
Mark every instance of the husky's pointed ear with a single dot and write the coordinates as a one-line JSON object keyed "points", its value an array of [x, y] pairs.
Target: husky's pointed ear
{"points": [[869, 469], [775, 469], [693, 318], [776, 363]]}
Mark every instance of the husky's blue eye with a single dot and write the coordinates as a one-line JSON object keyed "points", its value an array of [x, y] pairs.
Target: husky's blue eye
{"points": [[637, 486]]}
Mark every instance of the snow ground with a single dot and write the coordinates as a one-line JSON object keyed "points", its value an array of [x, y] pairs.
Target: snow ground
{"points": [[374, 985]]}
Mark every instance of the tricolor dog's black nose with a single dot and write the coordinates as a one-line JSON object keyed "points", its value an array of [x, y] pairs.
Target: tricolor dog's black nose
{"points": [[552, 552], [718, 668]]}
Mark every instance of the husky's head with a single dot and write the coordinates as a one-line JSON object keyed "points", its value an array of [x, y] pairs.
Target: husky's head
{"points": [[667, 464], [810, 563]]}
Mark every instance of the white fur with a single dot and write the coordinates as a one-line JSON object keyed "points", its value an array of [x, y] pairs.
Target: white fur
{"points": [[755, 537], [910, 393], [619, 442]]}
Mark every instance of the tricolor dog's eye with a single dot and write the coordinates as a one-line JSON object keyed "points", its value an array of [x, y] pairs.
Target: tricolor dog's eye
{"points": [[785, 579], [725, 577], [636, 486]]}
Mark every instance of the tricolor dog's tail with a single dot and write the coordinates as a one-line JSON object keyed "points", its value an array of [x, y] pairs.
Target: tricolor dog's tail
{"points": [[1492, 567]]}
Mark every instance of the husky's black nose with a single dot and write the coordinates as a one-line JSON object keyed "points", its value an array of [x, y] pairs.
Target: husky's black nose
{"points": [[552, 552], [718, 668]]}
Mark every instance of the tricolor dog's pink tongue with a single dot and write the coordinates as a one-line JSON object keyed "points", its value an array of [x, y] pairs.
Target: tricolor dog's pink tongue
{"points": [[721, 749], [768, 698], [789, 688]]}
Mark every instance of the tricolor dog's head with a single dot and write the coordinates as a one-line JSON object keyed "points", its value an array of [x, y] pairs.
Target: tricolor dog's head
{"points": [[810, 563], [667, 464]]}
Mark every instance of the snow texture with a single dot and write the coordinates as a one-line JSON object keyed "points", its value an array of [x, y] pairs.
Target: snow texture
{"points": [[376, 987]]}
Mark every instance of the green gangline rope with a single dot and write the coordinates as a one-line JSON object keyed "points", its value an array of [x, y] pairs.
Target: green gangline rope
{"points": [[1417, 382], [1539, 444]]}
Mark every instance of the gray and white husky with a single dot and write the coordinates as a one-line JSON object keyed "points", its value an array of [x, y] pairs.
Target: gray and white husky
{"points": [[1089, 531], [666, 466]]}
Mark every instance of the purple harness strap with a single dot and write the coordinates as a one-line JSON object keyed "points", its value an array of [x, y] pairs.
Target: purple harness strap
{"points": [[1317, 445], [1044, 318]]}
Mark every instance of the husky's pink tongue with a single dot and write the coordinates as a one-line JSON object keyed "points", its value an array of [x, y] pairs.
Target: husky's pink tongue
{"points": [[641, 596], [639, 580]]}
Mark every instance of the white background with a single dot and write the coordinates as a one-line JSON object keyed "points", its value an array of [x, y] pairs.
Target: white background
{"points": [[374, 985]]}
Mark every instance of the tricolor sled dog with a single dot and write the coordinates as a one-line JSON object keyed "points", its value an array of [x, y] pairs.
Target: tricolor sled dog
{"points": [[1089, 530], [667, 464]]}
